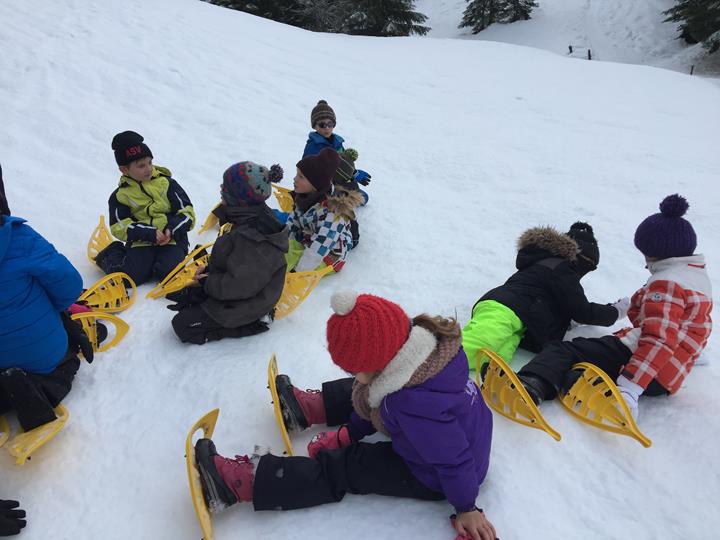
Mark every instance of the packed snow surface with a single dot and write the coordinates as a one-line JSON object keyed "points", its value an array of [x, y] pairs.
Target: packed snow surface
{"points": [[469, 143]]}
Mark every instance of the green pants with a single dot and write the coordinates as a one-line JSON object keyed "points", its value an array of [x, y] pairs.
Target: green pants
{"points": [[294, 254], [493, 326]]}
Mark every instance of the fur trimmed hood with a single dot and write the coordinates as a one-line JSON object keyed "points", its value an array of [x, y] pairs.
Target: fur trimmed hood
{"points": [[550, 240]]}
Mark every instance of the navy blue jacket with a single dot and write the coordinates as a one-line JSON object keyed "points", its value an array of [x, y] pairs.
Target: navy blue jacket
{"points": [[317, 142], [36, 284]]}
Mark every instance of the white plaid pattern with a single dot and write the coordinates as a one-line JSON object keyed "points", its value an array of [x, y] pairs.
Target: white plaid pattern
{"points": [[321, 232]]}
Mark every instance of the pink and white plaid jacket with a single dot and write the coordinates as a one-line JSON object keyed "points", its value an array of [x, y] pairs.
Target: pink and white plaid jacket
{"points": [[671, 316]]}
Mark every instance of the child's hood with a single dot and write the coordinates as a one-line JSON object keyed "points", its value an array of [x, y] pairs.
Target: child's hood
{"points": [[258, 223], [158, 171], [6, 231], [542, 242], [315, 137]]}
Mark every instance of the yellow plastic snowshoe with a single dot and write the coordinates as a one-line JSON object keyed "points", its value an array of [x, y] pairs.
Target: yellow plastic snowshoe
{"points": [[272, 373], [298, 285], [4, 430], [110, 293], [596, 400], [88, 320], [207, 424], [506, 395], [182, 275], [210, 221], [99, 240], [26, 443], [284, 199]]}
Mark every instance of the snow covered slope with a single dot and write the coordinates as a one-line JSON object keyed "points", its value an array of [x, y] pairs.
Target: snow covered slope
{"points": [[469, 143], [625, 31]]}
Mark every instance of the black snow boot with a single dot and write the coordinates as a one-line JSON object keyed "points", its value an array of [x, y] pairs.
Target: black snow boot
{"points": [[293, 416], [112, 258], [535, 386]]}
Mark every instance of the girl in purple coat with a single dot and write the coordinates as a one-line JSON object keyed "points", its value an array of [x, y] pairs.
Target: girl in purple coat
{"points": [[412, 384]]}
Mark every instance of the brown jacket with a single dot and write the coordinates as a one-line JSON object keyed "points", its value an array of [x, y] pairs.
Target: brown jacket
{"points": [[246, 272]]}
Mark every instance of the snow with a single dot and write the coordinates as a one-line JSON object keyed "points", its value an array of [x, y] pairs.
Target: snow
{"points": [[625, 31], [469, 143]]}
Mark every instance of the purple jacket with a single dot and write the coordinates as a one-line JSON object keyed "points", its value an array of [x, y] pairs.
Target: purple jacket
{"points": [[442, 429]]}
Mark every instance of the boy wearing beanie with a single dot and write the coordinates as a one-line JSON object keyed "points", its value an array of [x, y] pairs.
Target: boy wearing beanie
{"points": [[537, 303], [320, 223], [412, 384], [246, 272], [670, 316], [149, 212]]}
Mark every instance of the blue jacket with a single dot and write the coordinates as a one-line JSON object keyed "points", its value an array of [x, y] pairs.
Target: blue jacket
{"points": [[36, 284], [317, 142]]}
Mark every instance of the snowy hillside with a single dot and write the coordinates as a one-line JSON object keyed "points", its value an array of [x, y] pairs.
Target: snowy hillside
{"points": [[625, 31], [469, 143]]}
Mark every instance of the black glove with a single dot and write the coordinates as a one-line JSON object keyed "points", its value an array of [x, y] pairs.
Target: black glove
{"points": [[189, 296], [11, 521], [77, 338]]}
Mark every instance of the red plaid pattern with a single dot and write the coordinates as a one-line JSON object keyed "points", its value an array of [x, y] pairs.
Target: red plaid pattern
{"points": [[674, 324]]}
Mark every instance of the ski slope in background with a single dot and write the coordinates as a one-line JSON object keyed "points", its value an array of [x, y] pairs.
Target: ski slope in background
{"points": [[469, 143], [631, 32]]}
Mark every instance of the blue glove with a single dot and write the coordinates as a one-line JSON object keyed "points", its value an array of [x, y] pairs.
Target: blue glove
{"points": [[362, 177]]}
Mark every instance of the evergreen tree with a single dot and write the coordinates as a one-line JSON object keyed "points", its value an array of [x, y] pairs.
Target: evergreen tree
{"points": [[284, 11], [383, 18], [699, 21], [479, 14]]}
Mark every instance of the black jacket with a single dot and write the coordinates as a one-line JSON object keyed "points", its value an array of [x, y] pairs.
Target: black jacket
{"points": [[545, 293], [246, 272]]}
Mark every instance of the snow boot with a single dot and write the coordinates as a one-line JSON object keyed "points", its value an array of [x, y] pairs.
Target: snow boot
{"points": [[535, 386], [225, 481], [300, 410], [112, 258]]}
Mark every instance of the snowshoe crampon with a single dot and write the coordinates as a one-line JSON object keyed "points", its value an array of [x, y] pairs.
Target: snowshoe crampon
{"points": [[89, 320], [210, 221], [25, 443], [506, 395], [182, 275], [207, 425], [596, 400], [298, 285], [110, 294], [272, 374], [284, 199], [99, 240]]}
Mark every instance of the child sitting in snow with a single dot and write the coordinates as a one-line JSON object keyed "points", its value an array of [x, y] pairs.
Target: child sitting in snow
{"points": [[538, 302], [670, 316], [149, 211], [411, 383], [323, 121], [320, 223], [39, 343], [246, 272]]}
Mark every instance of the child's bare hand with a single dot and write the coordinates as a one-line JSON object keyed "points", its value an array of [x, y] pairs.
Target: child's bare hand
{"points": [[163, 238], [200, 273], [474, 525]]}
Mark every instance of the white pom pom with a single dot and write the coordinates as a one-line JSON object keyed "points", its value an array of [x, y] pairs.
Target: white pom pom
{"points": [[343, 302]]}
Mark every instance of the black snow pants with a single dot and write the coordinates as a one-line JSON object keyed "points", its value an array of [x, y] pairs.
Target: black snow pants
{"points": [[140, 263], [33, 396], [193, 325], [287, 483], [554, 363]]}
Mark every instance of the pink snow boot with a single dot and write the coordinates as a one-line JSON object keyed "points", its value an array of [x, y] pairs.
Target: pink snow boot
{"points": [[225, 481], [300, 409]]}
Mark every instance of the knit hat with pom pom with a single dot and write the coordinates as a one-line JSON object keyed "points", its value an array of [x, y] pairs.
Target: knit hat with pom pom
{"points": [[365, 332], [321, 111], [667, 234], [345, 173], [247, 183], [583, 235]]}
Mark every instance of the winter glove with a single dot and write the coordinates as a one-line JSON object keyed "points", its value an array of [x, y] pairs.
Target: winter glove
{"points": [[329, 440], [622, 306], [77, 338], [11, 520], [631, 393], [189, 296], [362, 177]]}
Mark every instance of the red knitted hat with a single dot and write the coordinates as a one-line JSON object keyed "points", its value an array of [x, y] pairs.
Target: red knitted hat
{"points": [[365, 332]]}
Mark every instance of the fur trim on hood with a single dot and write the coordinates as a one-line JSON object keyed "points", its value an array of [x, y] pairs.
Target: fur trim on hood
{"points": [[343, 202], [547, 238]]}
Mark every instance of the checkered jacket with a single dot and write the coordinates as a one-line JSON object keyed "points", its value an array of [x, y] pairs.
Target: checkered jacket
{"points": [[671, 316], [327, 238]]}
